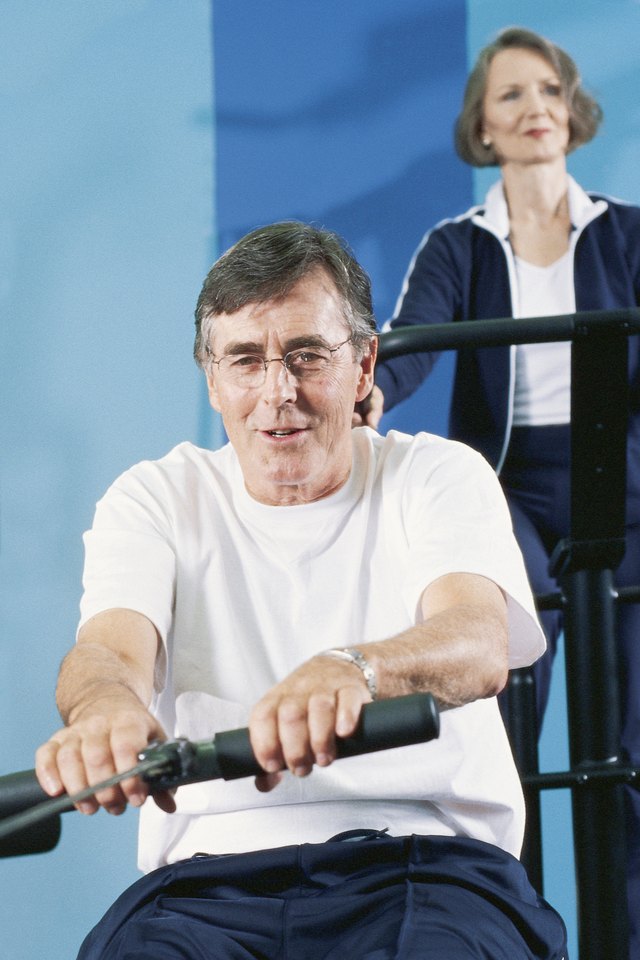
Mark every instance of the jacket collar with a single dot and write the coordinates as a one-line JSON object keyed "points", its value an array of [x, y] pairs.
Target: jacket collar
{"points": [[582, 209]]}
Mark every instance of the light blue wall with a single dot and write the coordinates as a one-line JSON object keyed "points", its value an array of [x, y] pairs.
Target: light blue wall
{"points": [[106, 182]]}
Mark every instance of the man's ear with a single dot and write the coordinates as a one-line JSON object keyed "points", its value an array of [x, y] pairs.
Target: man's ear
{"points": [[367, 364], [213, 391]]}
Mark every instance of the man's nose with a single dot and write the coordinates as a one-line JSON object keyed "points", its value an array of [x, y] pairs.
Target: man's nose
{"points": [[280, 384]]}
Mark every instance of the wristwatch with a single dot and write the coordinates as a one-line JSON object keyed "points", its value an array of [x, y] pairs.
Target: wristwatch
{"points": [[353, 655]]}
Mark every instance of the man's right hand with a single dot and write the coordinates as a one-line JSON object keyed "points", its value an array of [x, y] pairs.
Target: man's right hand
{"points": [[105, 683], [104, 739]]}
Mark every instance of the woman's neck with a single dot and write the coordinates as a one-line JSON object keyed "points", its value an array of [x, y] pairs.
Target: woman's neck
{"points": [[539, 221]]}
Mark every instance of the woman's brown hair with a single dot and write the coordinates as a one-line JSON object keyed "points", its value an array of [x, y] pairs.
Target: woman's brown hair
{"points": [[585, 113]]}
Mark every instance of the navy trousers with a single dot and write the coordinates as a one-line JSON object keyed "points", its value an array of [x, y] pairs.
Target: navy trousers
{"points": [[378, 898], [536, 481]]}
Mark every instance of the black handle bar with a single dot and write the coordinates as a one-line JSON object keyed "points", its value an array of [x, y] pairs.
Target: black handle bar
{"points": [[395, 722]]}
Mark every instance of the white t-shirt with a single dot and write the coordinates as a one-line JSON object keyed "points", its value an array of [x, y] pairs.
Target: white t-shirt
{"points": [[242, 593], [543, 370]]}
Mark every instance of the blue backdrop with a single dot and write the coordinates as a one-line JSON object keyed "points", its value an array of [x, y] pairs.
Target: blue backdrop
{"points": [[139, 138], [106, 199]]}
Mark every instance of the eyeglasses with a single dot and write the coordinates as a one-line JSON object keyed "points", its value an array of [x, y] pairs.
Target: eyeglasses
{"points": [[250, 370]]}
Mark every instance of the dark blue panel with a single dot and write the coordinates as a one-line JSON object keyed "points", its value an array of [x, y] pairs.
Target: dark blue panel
{"points": [[342, 114]]}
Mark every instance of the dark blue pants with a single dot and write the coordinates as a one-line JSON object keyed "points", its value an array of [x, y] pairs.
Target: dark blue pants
{"points": [[379, 898], [536, 481]]}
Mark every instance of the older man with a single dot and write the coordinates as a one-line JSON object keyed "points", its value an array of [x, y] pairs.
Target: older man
{"points": [[285, 580]]}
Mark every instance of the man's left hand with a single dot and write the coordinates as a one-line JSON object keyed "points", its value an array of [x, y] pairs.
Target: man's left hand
{"points": [[295, 724]]}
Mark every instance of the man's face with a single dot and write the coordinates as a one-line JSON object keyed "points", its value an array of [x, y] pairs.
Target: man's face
{"points": [[292, 437]]}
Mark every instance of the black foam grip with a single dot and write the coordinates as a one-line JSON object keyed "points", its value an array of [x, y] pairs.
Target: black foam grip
{"points": [[396, 722], [18, 792]]}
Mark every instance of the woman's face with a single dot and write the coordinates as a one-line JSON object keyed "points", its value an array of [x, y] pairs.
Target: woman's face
{"points": [[525, 114]]}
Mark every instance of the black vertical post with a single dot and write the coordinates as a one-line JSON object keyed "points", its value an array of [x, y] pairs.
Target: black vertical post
{"points": [[594, 739], [522, 725], [585, 564]]}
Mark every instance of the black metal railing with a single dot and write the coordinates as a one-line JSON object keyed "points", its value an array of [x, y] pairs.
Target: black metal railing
{"points": [[583, 564]]}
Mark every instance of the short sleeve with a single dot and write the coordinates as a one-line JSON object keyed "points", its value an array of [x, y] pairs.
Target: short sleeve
{"points": [[129, 554], [459, 522]]}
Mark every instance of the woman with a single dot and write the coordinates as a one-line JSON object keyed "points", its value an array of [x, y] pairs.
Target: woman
{"points": [[539, 245]]}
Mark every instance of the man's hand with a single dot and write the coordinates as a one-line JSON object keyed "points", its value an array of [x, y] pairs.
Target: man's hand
{"points": [[458, 653], [368, 412], [296, 723], [105, 739], [105, 682]]}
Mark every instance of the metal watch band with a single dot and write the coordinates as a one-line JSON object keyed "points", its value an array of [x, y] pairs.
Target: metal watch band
{"points": [[353, 655]]}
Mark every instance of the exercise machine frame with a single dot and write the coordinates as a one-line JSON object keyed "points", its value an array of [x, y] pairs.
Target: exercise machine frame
{"points": [[584, 564]]}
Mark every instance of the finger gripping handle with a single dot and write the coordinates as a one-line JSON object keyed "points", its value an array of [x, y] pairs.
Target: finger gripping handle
{"points": [[396, 722]]}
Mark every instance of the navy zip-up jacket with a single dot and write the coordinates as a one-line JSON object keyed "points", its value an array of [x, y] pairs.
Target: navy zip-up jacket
{"points": [[464, 270]]}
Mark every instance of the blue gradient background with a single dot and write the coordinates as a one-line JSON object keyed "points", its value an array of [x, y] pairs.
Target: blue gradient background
{"points": [[139, 138]]}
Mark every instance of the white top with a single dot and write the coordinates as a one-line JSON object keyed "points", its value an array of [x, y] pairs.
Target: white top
{"points": [[547, 291], [241, 593], [543, 370]]}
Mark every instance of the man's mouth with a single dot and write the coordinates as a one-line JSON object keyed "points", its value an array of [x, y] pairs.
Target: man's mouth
{"points": [[282, 433]]}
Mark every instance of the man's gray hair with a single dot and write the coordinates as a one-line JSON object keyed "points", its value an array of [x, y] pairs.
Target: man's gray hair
{"points": [[267, 263]]}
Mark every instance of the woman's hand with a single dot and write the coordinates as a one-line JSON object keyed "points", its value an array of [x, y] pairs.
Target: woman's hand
{"points": [[369, 411]]}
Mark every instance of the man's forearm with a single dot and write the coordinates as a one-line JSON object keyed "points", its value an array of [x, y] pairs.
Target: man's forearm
{"points": [[90, 673], [454, 656], [459, 653], [114, 657]]}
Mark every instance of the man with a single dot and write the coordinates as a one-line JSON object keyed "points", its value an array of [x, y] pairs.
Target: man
{"points": [[284, 581]]}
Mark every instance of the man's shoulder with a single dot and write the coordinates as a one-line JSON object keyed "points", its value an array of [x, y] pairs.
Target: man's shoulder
{"points": [[422, 440], [424, 449], [428, 474], [183, 466]]}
